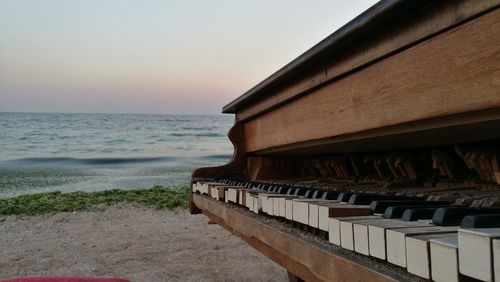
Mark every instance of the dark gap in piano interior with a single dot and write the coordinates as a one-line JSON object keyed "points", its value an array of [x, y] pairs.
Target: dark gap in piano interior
{"points": [[470, 169]]}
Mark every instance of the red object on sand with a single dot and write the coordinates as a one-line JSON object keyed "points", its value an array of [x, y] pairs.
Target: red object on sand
{"points": [[63, 279]]}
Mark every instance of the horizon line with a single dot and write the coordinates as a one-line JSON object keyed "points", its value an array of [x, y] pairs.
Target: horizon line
{"points": [[111, 113]]}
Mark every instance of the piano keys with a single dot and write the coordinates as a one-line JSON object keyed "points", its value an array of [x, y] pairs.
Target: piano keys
{"points": [[409, 244], [334, 230], [328, 210], [419, 257], [377, 235], [398, 239]]}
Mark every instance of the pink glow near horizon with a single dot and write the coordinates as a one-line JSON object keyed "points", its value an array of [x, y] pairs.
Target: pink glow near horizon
{"points": [[152, 56]]}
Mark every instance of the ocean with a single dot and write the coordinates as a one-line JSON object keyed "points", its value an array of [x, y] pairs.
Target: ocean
{"points": [[42, 152]]}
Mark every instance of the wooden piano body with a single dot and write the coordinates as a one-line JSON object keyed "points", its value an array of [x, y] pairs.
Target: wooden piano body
{"points": [[406, 96]]}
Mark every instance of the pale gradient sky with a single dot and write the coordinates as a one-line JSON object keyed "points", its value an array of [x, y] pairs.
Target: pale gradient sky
{"points": [[152, 56]]}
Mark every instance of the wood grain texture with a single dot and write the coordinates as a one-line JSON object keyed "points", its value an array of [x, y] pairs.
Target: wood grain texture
{"points": [[302, 258], [454, 72], [235, 168], [421, 24]]}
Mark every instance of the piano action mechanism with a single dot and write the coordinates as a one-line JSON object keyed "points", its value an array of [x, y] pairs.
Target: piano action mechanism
{"points": [[375, 154]]}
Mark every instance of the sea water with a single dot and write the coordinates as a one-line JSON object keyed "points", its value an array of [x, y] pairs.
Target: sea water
{"points": [[42, 152]]}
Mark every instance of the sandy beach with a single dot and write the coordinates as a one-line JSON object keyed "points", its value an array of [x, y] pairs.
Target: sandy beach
{"points": [[135, 243]]}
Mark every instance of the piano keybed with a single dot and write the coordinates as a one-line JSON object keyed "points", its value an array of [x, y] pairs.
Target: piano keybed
{"points": [[416, 229]]}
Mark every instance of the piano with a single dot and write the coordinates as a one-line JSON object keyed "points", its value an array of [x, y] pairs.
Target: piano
{"points": [[375, 155]]}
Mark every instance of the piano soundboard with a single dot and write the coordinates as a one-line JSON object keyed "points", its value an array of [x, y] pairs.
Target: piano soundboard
{"points": [[375, 155]]}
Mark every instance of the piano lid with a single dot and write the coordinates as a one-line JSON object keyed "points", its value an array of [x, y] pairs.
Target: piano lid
{"points": [[383, 13], [384, 29]]}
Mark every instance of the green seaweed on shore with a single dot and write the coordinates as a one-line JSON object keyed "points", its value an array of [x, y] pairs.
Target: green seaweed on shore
{"points": [[35, 204]]}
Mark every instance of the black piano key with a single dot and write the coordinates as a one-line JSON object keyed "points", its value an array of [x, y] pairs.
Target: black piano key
{"points": [[393, 212], [300, 192], [415, 214], [481, 221], [318, 194], [284, 190], [309, 194], [330, 195], [366, 199], [451, 216], [382, 205], [344, 197]]}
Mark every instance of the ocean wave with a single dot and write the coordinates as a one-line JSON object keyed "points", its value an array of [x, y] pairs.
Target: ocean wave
{"points": [[88, 161], [215, 157], [105, 161], [197, 135]]}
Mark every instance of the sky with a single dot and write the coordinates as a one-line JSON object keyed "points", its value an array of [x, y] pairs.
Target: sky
{"points": [[152, 56]]}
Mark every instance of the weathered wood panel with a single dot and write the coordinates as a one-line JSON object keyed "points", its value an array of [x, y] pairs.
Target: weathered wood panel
{"points": [[454, 72], [421, 24]]}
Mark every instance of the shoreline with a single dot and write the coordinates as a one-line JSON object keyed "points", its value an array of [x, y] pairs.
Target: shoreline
{"points": [[158, 197], [131, 242]]}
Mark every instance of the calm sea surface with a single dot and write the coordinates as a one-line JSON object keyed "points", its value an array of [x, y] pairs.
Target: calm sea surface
{"points": [[88, 152]]}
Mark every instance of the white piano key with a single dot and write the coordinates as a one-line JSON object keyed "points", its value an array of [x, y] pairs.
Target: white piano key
{"points": [[205, 189], [245, 194], [396, 243], [444, 258], [214, 193], [202, 188], [264, 202], [377, 235], [496, 259], [360, 233], [301, 211], [249, 201], [475, 252], [241, 198], [283, 206], [276, 206], [418, 256], [233, 195], [346, 235], [313, 215], [256, 204], [289, 209], [361, 236], [270, 204], [334, 226], [229, 195], [279, 204], [195, 187], [334, 231], [259, 198], [314, 212], [236, 196], [323, 217], [361, 240], [229, 192]]}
